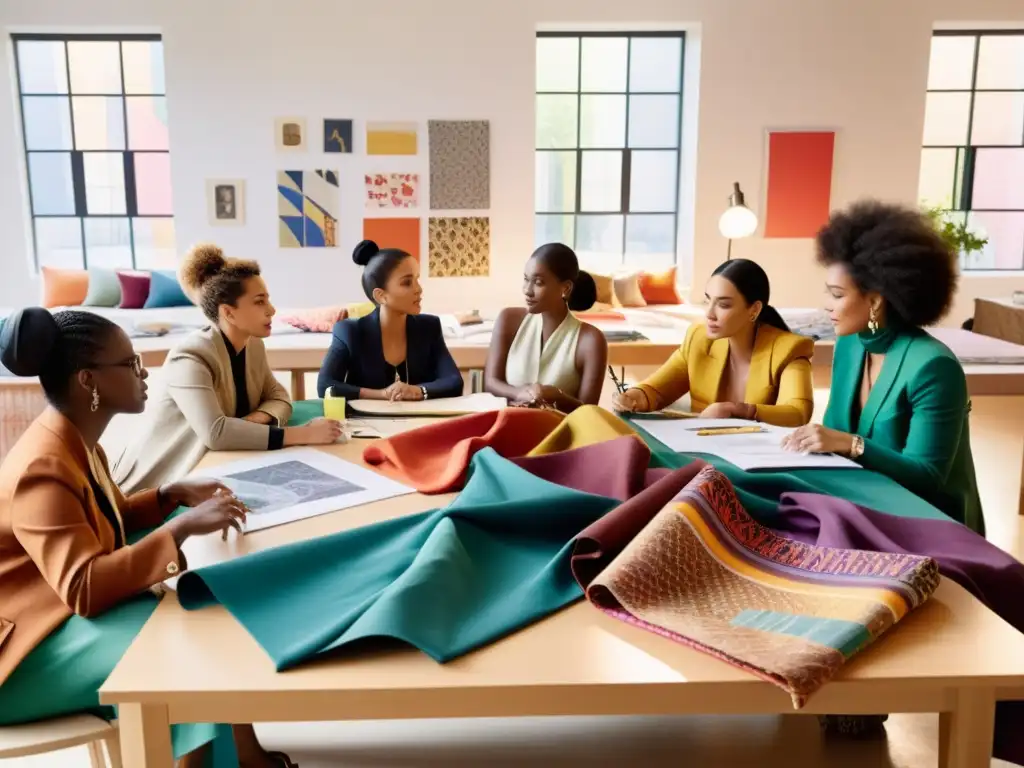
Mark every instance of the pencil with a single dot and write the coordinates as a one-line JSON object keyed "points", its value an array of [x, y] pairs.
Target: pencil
{"points": [[728, 431]]}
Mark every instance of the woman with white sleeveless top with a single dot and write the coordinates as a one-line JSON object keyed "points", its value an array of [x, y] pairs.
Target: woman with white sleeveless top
{"points": [[541, 354]]}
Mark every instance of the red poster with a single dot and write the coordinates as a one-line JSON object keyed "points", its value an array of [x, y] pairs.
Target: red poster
{"points": [[799, 183]]}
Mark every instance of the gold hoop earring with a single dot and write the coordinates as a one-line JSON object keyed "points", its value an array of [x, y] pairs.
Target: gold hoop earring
{"points": [[95, 405], [872, 321]]}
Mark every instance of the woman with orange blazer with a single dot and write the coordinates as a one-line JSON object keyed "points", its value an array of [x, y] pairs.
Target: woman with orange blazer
{"points": [[744, 364], [81, 564]]}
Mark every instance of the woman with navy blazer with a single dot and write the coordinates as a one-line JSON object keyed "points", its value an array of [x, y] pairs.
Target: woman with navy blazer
{"points": [[394, 353]]}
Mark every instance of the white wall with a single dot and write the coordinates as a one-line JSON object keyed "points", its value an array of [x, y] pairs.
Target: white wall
{"points": [[234, 65]]}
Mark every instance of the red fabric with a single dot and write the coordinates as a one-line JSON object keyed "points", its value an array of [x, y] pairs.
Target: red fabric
{"points": [[434, 459]]}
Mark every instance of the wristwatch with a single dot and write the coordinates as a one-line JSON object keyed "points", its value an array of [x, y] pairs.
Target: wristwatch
{"points": [[857, 448], [424, 391]]}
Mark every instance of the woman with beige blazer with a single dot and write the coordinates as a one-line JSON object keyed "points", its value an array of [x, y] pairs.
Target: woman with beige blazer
{"points": [[220, 394]]}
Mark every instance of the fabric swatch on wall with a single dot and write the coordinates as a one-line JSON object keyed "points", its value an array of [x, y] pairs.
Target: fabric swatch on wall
{"points": [[307, 209], [338, 136], [391, 139], [459, 247], [460, 164], [392, 190], [799, 197], [290, 133], [403, 234]]}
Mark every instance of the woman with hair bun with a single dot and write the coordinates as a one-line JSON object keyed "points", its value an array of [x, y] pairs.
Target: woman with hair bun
{"points": [[542, 354], [394, 353], [220, 393]]}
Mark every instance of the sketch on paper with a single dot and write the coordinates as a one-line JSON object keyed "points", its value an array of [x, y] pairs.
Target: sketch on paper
{"points": [[270, 488]]}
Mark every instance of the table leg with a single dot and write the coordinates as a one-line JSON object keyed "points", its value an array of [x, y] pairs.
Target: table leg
{"points": [[966, 734], [145, 736], [298, 385]]}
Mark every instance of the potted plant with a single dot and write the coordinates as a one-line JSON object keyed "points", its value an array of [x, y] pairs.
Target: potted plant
{"points": [[957, 235]]}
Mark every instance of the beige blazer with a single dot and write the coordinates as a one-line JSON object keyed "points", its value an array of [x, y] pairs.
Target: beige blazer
{"points": [[195, 412]]}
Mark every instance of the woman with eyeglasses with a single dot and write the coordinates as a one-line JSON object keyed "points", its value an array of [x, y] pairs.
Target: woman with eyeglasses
{"points": [[220, 394], [80, 562]]}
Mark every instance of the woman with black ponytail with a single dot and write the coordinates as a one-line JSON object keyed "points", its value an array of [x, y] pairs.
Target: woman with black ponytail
{"points": [[743, 363], [541, 354]]}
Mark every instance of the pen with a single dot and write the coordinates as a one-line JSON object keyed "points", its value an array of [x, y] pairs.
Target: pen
{"points": [[728, 431], [618, 384]]}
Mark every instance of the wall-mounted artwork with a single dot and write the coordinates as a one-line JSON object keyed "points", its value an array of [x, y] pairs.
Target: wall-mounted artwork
{"points": [[403, 234], [225, 202], [459, 247], [307, 209], [460, 164], [290, 133], [392, 190], [391, 138], [799, 197], [338, 136]]}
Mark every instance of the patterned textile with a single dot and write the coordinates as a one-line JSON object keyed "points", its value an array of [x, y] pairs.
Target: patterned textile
{"points": [[460, 164], [459, 247], [704, 573]]}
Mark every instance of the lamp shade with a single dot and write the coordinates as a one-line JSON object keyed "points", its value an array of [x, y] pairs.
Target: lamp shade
{"points": [[738, 220]]}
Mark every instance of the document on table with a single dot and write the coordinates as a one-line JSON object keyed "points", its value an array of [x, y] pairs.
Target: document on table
{"points": [[747, 450], [442, 406]]}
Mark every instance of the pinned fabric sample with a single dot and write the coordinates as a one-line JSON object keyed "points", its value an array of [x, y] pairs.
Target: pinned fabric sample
{"points": [[403, 234], [338, 136], [307, 208], [392, 190], [391, 139], [799, 195], [290, 133], [460, 247], [460, 164]]}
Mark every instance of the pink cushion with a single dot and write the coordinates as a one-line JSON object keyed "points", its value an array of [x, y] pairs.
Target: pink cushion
{"points": [[134, 289], [318, 320]]}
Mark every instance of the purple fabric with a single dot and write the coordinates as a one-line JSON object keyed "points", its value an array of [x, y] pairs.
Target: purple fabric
{"points": [[134, 289]]}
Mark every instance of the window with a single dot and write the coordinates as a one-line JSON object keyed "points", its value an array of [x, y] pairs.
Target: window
{"points": [[94, 120], [609, 112], [972, 161]]}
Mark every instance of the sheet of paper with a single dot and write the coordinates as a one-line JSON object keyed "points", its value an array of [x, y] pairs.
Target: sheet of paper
{"points": [[376, 428], [443, 406], [284, 486], [748, 451]]}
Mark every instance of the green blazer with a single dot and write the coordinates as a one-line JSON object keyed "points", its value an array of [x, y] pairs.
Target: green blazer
{"points": [[915, 422]]}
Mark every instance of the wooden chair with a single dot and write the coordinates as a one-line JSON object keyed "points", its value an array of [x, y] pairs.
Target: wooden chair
{"points": [[61, 733]]}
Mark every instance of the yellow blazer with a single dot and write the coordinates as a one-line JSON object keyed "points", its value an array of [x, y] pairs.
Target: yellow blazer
{"points": [[778, 383]]}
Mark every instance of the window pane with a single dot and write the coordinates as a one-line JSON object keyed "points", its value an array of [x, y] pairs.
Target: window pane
{"points": [[655, 64], [154, 244], [98, 121], [59, 243], [50, 182], [556, 181], [603, 64], [651, 241], [553, 229], [652, 184], [108, 243], [95, 66], [557, 63], [153, 183], [599, 242], [556, 122], [104, 184], [47, 122], [998, 119], [654, 121], [945, 118], [41, 67], [1005, 247], [147, 122], [603, 121], [1001, 61], [997, 179], [601, 185], [938, 172], [143, 66], [952, 63]]}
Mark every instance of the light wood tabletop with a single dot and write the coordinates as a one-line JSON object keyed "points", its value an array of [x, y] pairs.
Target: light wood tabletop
{"points": [[953, 656]]}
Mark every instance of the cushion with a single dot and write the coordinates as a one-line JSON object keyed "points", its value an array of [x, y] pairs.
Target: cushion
{"points": [[318, 320], [134, 289], [627, 290], [64, 287], [165, 291], [605, 289], [361, 309], [104, 288], [659, 287]]}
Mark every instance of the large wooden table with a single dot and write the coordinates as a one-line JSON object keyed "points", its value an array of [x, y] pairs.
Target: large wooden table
{"points": [[952, 656]]}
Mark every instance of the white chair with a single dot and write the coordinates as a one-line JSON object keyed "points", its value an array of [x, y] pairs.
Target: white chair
{"points": [[61, 733]]}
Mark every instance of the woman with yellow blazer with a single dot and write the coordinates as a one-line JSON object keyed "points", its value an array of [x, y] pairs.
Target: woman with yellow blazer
{"points": [[744, 364]]}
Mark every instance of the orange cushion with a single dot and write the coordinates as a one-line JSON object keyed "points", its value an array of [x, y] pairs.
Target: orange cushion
{"points": [[659, 287], [64, 287], [319, 320], [605, 289]]}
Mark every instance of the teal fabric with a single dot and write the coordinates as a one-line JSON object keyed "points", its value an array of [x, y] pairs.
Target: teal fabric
{"points": [[915, 424], [104, 288], [499, 553], [165, 291], [63, 675], [304, 411]]}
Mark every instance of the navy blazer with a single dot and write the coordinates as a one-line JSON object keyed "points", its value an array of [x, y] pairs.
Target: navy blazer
{"points": [[356, 358]]}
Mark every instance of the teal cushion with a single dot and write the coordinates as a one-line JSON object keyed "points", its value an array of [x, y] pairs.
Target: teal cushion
{"points": [[165, 291], [104, 289]]}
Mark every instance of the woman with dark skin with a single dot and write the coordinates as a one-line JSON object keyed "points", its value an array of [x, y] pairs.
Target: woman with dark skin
{"points": [[541, 355]]}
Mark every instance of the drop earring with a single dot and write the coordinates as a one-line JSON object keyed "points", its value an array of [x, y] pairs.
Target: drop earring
{"points": [[872, 322], [95, 406]]}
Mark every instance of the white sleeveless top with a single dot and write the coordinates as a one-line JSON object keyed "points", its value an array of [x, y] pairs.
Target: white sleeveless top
{"points": [[530, 361]]}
